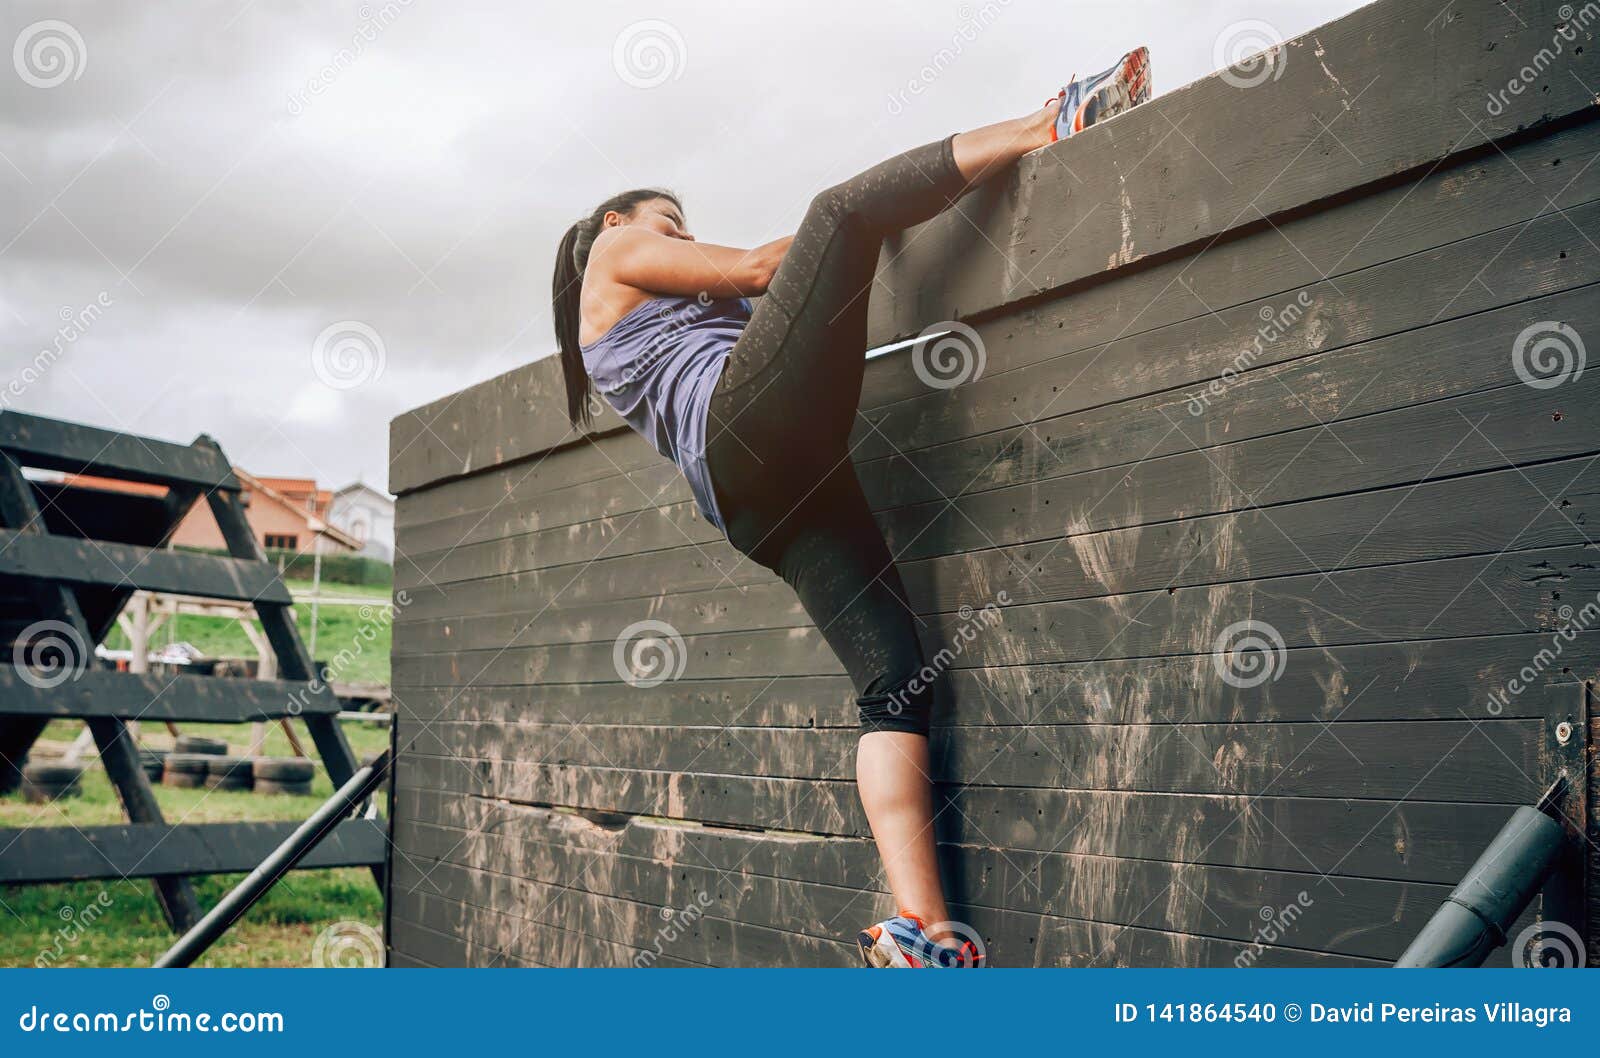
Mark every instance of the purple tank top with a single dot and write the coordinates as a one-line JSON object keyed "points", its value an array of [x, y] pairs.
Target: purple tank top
{"points": [[657, 367]]}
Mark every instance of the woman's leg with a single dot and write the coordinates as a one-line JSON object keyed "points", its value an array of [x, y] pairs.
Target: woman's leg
{"points": [[836, 560], [795, 375], [779, 427]]}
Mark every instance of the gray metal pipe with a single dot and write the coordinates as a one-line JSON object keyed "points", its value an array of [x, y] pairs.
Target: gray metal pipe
{"points": [[1475, 916], [278, 863]]}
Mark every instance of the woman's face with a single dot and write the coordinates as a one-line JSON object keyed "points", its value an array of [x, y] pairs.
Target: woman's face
{"points": [[659, 215]]}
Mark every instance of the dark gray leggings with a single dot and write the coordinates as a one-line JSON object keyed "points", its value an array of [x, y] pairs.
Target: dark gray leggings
{"points": [[778, 434]]}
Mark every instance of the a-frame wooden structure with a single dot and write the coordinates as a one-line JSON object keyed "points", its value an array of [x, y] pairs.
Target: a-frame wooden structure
{"points": [[70, 557]]}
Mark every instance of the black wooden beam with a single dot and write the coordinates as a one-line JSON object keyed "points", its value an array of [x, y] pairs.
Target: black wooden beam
{"points": [[148, 696], [51, 444], [150, 850], [127, 566]]}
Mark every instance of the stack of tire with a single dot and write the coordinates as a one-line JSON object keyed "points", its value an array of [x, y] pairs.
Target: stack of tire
{"points": [[283, 775], [188, 766], [44, 781]]}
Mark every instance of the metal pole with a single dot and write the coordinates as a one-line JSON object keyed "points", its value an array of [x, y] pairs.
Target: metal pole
{"points": [[278, 863], [1475, 916], [316, 594]]}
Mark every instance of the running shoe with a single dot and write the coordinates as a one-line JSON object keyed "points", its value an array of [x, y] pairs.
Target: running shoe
{"points": [[1090, 100], [902, 943]]}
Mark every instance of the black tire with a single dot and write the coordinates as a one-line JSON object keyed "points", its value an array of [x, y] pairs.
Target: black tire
{"points": [[43, 793], [50, 773], [278, 786], [284, 769], [229, 773], [200, 744]]}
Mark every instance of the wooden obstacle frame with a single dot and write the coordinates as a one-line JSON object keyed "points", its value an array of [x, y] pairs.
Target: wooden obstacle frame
{"points": [[1267, 360], [71, 557]]}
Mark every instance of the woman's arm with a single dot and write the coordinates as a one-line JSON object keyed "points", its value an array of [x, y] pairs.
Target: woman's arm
{"points": [[660, 264]]}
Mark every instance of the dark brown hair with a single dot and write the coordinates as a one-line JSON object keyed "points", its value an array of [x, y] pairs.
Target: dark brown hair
{"points": [[572, 258]]}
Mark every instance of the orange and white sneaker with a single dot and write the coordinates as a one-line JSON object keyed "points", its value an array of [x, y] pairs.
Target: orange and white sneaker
{"points": [[1090, 100], [902, 943]]}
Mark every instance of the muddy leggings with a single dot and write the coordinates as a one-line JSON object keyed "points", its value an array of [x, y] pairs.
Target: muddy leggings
{"points": [[779, 427]]}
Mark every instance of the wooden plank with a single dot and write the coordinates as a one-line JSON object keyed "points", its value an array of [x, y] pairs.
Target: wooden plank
{"points": [[1497, 761], [1445, 598], [1416, 680], [494, 488], [1415, 367], [728, 905], [1513, 592], [51, 444], [1409, 840], [133, 696], [1514, 425], [147, 850], [1219, 902], [125, 566]]}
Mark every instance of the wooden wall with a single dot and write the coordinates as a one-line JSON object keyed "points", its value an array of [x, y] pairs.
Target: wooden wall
{"points": [[1251, 366]]}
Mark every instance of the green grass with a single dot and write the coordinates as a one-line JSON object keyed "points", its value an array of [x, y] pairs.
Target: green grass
{"points": [[360, 633], [125, 925]]}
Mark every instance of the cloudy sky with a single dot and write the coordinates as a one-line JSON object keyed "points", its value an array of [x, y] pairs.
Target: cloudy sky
{"points": [[284, 223]]}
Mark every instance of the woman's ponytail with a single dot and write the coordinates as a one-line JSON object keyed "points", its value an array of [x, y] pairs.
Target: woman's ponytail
{"points": [[566, 292], [566, 288]]}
